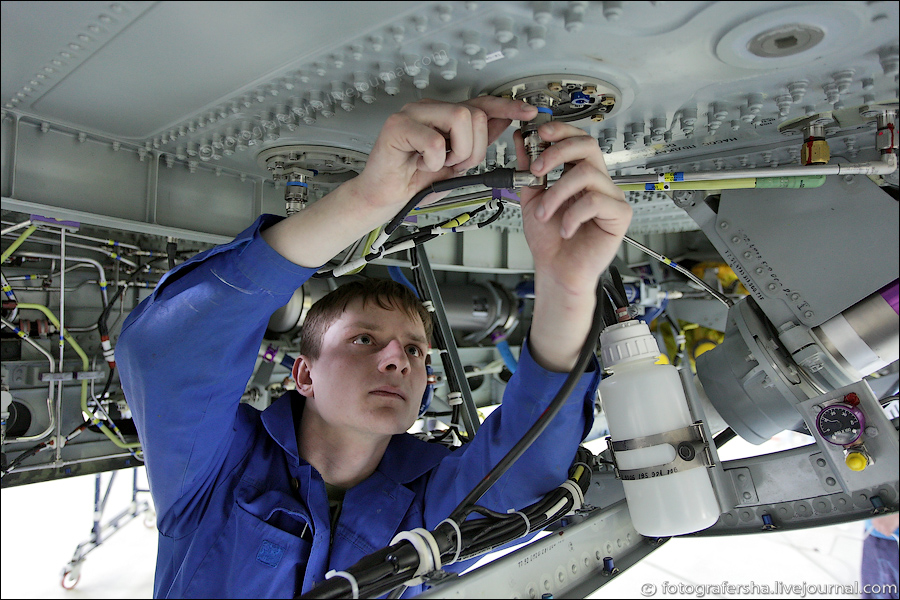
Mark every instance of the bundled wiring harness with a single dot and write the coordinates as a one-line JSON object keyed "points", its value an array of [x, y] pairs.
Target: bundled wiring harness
{"points": [[382, 245], [414, 555]]}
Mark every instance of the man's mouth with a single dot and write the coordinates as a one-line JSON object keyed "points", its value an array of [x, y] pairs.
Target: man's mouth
{"points": [[389, 393]]}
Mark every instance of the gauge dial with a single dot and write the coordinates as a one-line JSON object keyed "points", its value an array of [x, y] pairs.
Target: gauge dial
{"points": [[840, 424]]}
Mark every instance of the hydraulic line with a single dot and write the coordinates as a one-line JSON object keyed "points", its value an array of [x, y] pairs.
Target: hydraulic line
{"points": [[887, 165], [11, 295], [12, 248], [50, 410], [85, 364], [686, 272], [787, 182], [587, 352], [15, 227], [89, 261], [108, 253]]}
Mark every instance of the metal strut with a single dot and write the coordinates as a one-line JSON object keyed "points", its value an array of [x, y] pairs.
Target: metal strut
{"points": [[101, 531], [456, 375]]}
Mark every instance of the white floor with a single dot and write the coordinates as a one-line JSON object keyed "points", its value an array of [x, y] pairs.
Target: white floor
{"points": [[43, 523]]}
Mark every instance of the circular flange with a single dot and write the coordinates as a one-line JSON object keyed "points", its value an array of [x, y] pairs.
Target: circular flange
{"points": [[576, 96], [330, 164], [790, 36]]}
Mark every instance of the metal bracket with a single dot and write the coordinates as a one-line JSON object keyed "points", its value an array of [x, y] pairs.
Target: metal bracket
{"points": [[691, 451]]}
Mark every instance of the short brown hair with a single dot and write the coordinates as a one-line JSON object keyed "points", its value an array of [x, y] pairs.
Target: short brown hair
{"points": [[386, 293]]}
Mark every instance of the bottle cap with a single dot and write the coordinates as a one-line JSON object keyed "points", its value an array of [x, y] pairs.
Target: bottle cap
{"points": [[627, 341]]}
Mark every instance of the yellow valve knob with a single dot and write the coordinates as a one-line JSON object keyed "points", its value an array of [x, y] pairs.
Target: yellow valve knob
{"points": [[856, 461]]}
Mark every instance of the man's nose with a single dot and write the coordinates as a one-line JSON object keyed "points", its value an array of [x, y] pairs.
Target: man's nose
{"points": [[394, 358]]}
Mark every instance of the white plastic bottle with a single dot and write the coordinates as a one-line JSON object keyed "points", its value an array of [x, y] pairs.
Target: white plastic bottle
{"points": [[641, 399]]}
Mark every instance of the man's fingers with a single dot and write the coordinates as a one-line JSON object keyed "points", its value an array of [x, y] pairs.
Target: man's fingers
{"points": [[570, 144], [452, 121], [583, 177], [610, 214], [410, 136], [502, 108]]}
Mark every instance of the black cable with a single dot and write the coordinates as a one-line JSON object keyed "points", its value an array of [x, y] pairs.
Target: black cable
{"points": [[587, 352], [171, 252], [37, 448], [390, 568], [498, 178]]}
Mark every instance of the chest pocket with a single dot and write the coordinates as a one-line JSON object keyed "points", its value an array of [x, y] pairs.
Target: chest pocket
{"points": [[261, 551]]}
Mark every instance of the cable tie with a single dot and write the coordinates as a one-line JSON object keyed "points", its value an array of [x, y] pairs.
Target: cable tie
{"points": [[433, 546], [454, 398], [458, 538], [354, 586], [426, 548], [524, 516], [577, 494]]}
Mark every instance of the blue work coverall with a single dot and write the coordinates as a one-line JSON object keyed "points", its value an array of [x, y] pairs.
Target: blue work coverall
{"points": [[240, 514]]}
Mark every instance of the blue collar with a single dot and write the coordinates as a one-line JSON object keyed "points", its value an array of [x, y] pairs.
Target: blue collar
{"points": [[406, 458]]}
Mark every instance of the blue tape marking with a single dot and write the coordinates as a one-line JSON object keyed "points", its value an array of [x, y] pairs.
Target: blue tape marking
{"points": [[544, 109], [300, 183], [679, 176]]}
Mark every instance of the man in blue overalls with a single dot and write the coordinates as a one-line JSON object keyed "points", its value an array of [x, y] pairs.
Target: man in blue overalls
{"points": [[242, 496]]}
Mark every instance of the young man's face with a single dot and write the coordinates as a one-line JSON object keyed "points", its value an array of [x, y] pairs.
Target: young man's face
{"points": [[370, 375]]}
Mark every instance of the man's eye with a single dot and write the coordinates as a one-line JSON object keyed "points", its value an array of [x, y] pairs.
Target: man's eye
{"points": [[363, 339], [414, 351]]}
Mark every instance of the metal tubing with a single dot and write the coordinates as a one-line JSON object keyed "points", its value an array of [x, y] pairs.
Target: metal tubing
{"points": [[104, 251], [50, 410], [90, 261], [887, 165], [62, 329], [16, 227], [457, 374]]}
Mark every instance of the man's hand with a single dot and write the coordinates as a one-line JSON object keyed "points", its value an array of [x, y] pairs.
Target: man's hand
{"points": [[430, 141], [426, 141], [574, 229]]}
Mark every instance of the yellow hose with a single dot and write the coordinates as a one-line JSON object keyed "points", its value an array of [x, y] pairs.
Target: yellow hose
{"points": [[810, 181], [85, 365], [6, 254]]}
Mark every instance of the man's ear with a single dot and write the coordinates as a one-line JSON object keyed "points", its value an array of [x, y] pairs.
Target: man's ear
{"points": [[302, 376]]}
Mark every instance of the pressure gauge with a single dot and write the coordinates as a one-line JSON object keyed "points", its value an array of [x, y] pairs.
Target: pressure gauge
{"points": [[840, 424]]}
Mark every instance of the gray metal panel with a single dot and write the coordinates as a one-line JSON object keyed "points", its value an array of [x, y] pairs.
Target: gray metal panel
{"points": [[792, 243], [56, 168], [202, 201]]}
